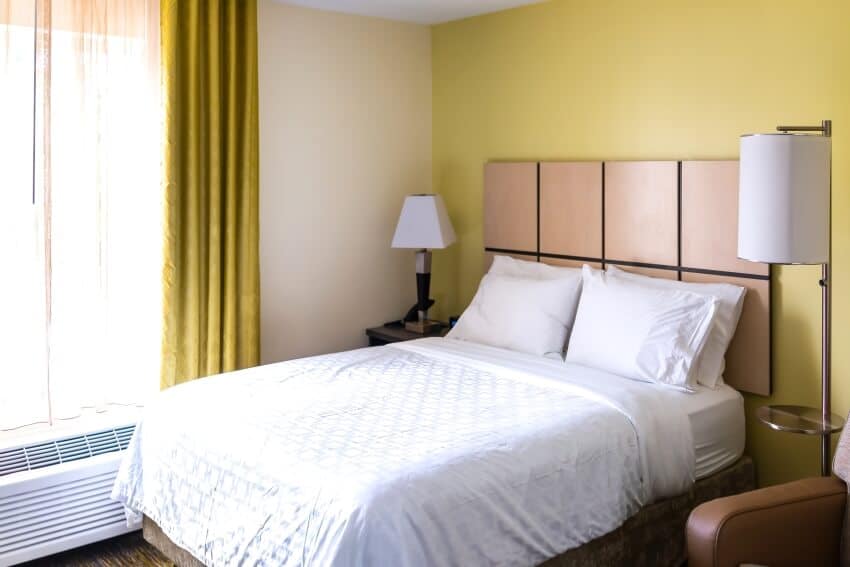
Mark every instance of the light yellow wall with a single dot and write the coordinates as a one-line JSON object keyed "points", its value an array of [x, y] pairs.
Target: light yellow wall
{"points": [[345, 133], [653, 79]]}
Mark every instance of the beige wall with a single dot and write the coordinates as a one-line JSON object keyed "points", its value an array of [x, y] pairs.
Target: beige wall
{"points": [[345, 134]]}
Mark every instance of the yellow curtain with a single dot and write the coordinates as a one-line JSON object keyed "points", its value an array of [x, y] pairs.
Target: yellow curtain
{"points": [[211, 257]]}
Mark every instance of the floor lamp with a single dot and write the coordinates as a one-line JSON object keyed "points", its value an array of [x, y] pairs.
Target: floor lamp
{"points": [[784, 218]]}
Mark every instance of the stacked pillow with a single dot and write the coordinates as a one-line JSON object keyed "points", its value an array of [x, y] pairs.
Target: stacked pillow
{"points": [[524, 306], [656, 330], [639, 331], [730, 303]]}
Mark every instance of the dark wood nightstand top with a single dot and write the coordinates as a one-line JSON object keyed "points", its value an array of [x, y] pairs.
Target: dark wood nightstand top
{"points": [[397, 333]]}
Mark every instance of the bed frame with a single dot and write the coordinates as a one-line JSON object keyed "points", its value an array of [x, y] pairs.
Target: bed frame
{"points": [[673, 219]]}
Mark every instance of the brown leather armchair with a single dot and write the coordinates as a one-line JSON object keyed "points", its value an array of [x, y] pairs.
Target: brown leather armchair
{"points": [[798, 523]]}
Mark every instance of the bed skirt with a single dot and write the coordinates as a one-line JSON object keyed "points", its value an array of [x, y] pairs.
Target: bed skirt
{"points": [[655, 536]]}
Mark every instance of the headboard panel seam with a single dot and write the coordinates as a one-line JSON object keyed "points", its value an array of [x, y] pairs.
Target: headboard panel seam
{"points": [[679, 218], [538, 211], [602, 261]]}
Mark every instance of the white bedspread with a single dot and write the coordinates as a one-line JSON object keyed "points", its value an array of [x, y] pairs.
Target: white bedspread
{"points": [[432, 452]]}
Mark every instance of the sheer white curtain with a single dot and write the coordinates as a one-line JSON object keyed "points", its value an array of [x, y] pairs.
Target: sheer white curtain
{"points": [[80, 206]]}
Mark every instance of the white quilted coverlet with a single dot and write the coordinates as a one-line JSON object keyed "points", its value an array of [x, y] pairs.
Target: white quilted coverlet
{"points": [[432, 452]]}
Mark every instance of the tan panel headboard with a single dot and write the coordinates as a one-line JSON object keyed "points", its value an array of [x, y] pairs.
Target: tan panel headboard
{"points": [[511, 197], [673, 219], [640, 212], [570, 208]]}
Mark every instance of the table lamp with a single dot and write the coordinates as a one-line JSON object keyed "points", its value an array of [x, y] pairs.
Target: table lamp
{"points": [[423, 224], [784, 218]]}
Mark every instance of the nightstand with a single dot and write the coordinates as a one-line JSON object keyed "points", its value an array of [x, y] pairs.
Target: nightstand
{"points": [[396, 333]]}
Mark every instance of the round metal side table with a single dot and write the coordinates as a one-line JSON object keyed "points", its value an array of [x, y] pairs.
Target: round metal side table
{"points": [[803, 420], [799, 419]]}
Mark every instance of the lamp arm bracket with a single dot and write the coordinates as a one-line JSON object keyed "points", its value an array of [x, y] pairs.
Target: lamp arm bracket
{"points": [[825, 128], [825, 276]]}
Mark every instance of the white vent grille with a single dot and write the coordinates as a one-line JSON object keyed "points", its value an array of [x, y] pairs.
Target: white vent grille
{"points": [[34, 518], [55, 495], [65, 450]]}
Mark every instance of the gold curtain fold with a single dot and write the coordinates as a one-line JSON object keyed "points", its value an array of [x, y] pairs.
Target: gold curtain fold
{"points": [[211, 257]]}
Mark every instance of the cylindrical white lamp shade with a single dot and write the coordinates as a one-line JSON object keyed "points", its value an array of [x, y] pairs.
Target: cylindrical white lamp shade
{"points": [[783, 199], [423, 223]]}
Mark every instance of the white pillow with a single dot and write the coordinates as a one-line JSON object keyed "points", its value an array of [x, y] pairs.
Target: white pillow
{"points": [[730, 302], [520, 314], [507, 266], [638, 331]]}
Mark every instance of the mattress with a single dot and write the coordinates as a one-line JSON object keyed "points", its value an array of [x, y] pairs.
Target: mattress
{"points": [[717, 427], [716, 416], [431, 452]]}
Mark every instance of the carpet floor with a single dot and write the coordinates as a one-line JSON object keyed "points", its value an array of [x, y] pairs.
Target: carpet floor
{"points": [[121, 551]]}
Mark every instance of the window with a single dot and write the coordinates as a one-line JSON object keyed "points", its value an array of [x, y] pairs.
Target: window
{"points": [[80, 207]]}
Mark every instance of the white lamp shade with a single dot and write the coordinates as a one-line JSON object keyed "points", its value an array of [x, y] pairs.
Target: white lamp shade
{"points": [[783, 199], [423, 223]]}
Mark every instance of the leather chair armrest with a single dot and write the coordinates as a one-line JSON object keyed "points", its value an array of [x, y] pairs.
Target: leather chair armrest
{"points": [[798, 523]]}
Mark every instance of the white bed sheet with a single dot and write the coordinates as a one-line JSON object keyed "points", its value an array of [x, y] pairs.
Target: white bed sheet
{"points": [[718, 427], [716, 416], [432, 452]]}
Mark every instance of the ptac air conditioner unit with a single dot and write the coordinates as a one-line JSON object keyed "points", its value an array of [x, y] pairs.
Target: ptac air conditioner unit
{"points": [[54, 495]]}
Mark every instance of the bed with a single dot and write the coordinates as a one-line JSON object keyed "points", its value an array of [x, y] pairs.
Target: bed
{"points": [[448, 452], [402, 455]]}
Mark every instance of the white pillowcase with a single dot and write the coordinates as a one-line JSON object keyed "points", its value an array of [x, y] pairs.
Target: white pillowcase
{"points": [[521, 314], [638, 331], [730, 302], [507, 266]]}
